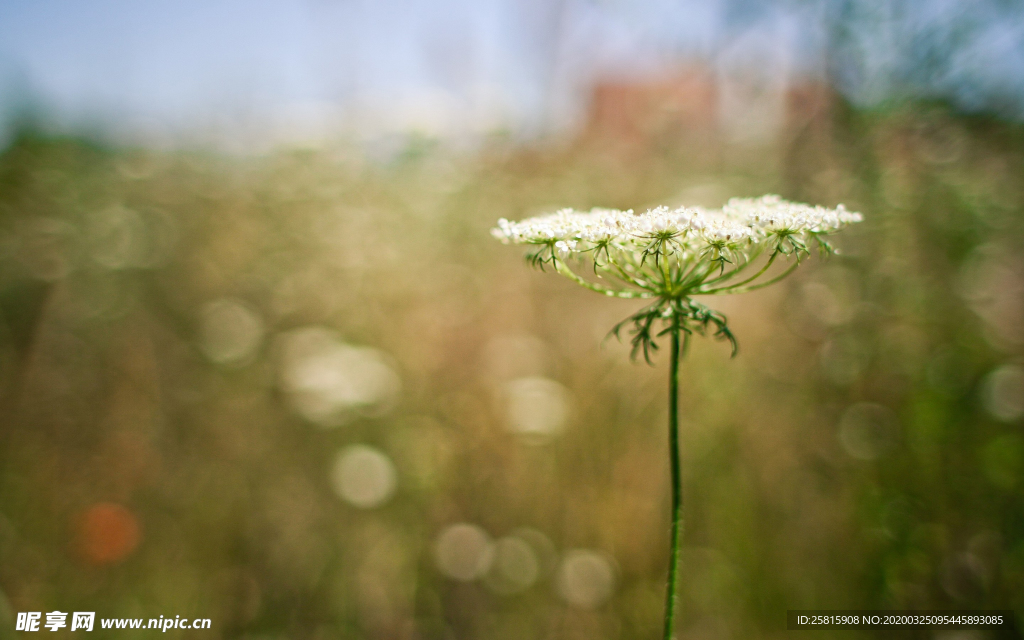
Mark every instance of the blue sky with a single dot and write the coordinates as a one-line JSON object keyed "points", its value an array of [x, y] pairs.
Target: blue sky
{"points": [[189, 64]]}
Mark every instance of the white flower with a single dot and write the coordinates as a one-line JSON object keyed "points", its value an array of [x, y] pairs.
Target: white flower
{"points": [[675, 253], [565, 247]]}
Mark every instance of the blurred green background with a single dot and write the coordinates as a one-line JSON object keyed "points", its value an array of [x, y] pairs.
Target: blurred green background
{"points": [[308, 396], [304, 393]]}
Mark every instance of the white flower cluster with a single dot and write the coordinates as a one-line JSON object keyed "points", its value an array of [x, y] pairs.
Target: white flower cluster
{"points": [[674, 253], [740, 223]]}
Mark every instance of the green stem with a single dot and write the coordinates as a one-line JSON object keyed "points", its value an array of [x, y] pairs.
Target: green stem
{"points": [[628, 279], [748, 280], [564, 269], [736, 288], [677, 485], [758, 250]]}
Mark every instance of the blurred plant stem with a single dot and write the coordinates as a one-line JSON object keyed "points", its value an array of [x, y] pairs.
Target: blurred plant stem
{"points": [[677, 480]]}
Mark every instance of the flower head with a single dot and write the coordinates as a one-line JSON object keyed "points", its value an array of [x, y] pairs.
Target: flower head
{"points": [[674, 254]]}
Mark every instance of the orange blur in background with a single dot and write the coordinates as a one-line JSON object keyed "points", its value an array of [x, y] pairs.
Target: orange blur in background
{"points": [[106, 533]]}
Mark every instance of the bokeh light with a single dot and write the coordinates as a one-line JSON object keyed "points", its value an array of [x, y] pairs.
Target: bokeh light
{"points": [[107, 533], [536, 407], [363, 476], [515, 566], [231, 332], [118, 237], [1003, 393], [463, 552], [328, 381], [586, 578]]}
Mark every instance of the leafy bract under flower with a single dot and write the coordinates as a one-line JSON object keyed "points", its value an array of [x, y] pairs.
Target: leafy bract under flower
{"points": [[677, 253]]}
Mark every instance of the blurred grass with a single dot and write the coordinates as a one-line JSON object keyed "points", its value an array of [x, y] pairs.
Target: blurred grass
{"points": [[860, 452]]}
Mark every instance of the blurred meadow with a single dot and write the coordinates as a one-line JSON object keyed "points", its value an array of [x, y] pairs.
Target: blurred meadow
{"points": [[305, 394]]}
